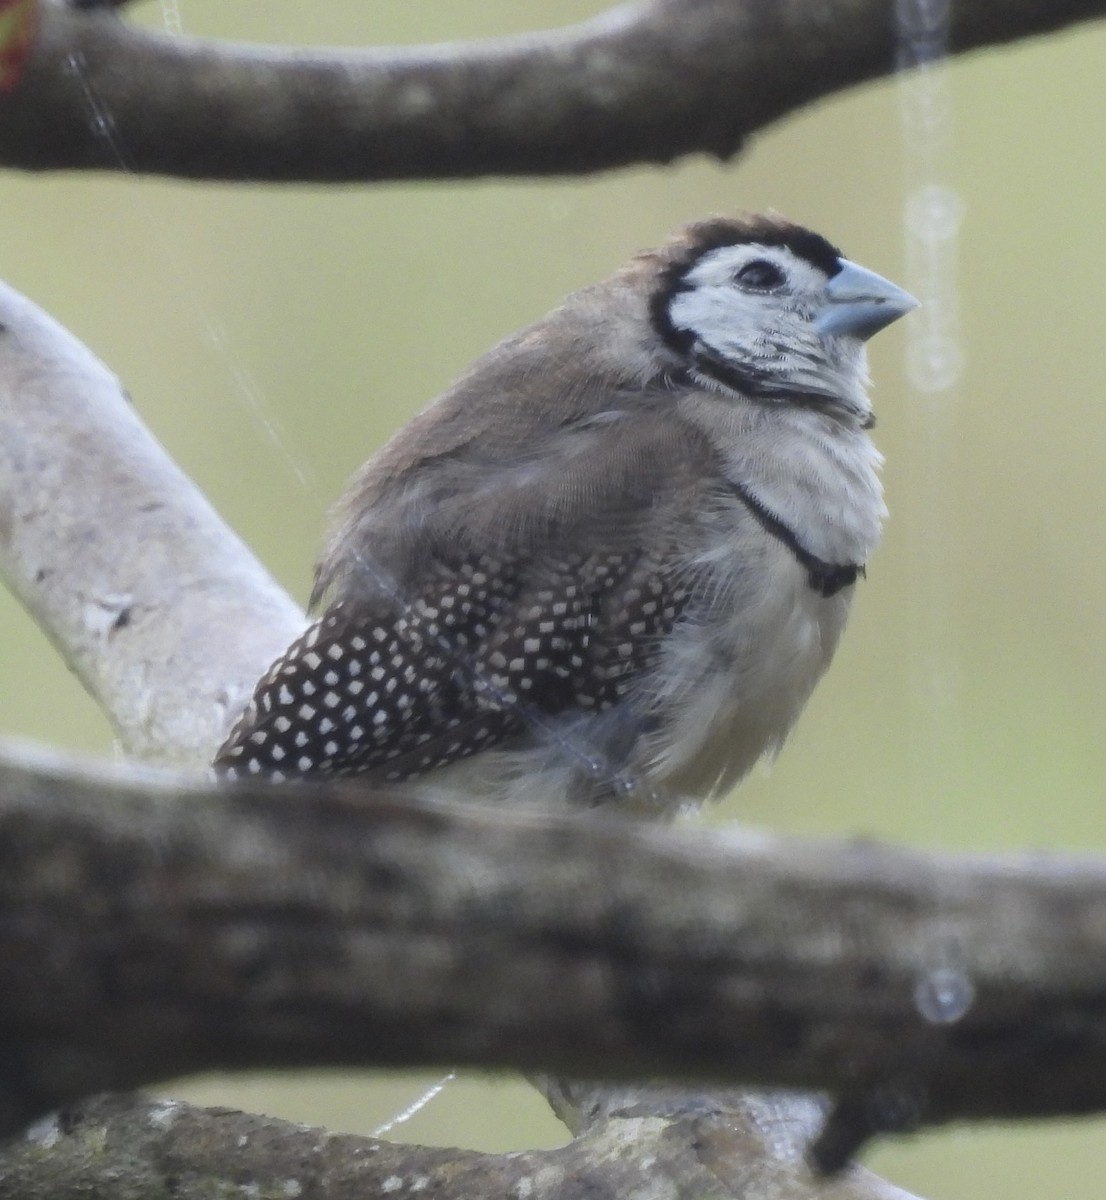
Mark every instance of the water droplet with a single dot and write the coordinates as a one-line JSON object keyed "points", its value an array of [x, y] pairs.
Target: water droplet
{"points": [[215, 335], [416, 1106], [918, 18], [944, 995], [171, 17], [934, 212], [934, 362], [595, 766], [100, 125], [923, 29]]}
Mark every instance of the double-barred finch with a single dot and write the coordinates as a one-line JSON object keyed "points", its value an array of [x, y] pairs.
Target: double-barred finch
{"points": [[617, 555]]}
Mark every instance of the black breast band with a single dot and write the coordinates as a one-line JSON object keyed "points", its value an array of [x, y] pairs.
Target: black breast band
{"points": [[827, 579]]}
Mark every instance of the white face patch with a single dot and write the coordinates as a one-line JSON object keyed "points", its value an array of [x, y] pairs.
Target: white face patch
{"points": [[751, 308], [723, 311]]}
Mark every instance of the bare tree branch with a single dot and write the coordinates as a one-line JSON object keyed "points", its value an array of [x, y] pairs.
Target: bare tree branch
{"points": [[161, 1148], [158, 928], [162, 613], [644, 82]]}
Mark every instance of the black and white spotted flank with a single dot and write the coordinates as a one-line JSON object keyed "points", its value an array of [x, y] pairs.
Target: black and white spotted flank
{"points": [[480, 658]]}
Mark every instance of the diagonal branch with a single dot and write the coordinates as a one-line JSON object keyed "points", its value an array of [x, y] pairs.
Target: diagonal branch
{"points": [[644, 82], [156, 606]]}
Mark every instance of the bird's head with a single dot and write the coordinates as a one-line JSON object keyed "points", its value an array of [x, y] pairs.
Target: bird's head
{"points": [[769, 310]]}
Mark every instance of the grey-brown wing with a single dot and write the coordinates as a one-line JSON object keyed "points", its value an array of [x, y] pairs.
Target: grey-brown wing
{"points": [[481, 596]]}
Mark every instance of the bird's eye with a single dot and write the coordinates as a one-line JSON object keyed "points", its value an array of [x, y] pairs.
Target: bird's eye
{"points": [[761, 275]]}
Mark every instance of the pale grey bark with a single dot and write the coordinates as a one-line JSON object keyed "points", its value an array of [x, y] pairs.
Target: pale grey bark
{"points": [[133, 1148], [155, 605]]}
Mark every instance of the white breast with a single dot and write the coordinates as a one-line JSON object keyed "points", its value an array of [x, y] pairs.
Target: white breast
{"points": [[736, 683], [816, 474]]}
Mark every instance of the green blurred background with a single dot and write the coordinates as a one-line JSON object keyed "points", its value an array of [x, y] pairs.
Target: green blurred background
{"points": [[273, 337]]}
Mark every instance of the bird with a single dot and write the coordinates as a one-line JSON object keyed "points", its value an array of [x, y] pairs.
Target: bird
{"points": [[611, 562]]}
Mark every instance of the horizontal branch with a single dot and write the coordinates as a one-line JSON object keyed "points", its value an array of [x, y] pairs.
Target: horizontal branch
{"points": [[164, 1148], [645, 82], [151, 928]]}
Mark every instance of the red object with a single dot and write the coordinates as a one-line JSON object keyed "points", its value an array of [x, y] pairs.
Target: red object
{"points": [[18, 22]]}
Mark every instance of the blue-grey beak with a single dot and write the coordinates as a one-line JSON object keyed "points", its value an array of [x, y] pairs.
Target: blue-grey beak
{"points": [[859, 303]]}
